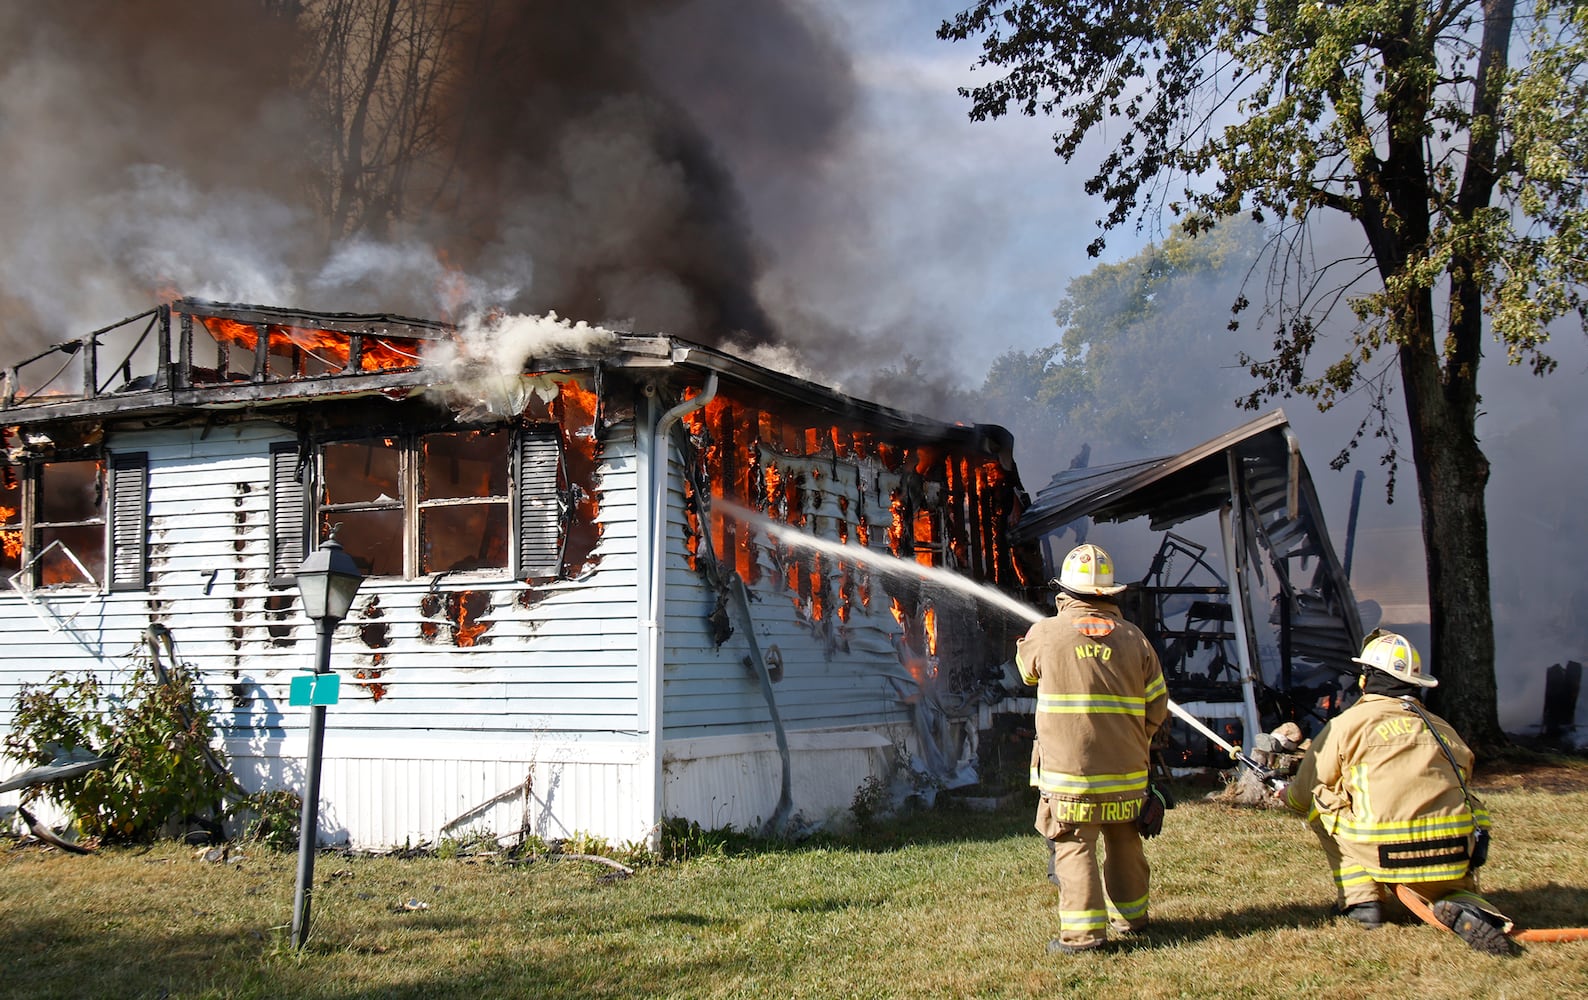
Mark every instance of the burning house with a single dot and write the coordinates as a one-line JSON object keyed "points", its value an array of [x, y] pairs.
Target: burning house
{"points": [[609, 578]]}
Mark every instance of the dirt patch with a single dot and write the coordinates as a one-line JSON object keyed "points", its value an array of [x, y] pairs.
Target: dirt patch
{"points": [[1526, 774]]}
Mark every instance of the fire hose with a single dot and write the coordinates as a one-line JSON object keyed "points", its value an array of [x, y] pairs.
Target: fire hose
{"points": [[1235, 752], [1419, 906]]}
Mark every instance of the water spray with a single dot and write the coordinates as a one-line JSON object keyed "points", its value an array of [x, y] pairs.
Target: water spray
{"points": [[882, 562]]}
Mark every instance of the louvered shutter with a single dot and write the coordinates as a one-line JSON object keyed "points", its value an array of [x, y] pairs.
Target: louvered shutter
{"points": [[289, 515], [541, 505], [129, 520]]}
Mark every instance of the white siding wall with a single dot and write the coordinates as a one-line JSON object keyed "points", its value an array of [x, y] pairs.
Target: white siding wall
{"points": [[841, 699], [549, 689]]}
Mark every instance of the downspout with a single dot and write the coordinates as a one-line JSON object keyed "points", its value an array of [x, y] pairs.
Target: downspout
{"points": [[654, 536]]}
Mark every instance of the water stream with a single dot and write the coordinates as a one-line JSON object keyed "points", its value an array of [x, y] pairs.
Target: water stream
{"points": [[880, 561]]}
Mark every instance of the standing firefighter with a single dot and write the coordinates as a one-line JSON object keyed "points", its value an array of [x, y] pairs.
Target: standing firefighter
{"points": [[1100, 698], [1384, 786]]}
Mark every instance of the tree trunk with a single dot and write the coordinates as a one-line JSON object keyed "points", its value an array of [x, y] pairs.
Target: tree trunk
{"points": [[1452, 474]]}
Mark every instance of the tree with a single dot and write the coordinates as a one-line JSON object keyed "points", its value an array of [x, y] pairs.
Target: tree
{"points": [[1109, 380], [1109, 383], [1459, 169]]}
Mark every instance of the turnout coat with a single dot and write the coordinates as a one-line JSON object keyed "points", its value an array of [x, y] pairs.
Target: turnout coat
{"points": [[1100, 698], [1376, 778]]}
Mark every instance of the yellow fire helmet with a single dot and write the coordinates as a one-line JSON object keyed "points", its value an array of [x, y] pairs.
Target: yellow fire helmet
{"points": [[1088, 570], [1392, 654]]}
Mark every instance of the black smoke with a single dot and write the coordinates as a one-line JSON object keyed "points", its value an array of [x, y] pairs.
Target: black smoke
{"points": [[572, 161]]}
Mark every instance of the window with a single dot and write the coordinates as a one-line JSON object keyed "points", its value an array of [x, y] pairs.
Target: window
{"points": [[57, 524], [11, 528], [459, 501]]}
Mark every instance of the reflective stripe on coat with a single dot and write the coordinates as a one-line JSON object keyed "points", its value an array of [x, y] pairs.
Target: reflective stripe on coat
{"points": [[1100, 698]]}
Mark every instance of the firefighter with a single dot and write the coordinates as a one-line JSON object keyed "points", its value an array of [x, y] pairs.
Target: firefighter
{"points": [[1384, 787], [1100, 698]]}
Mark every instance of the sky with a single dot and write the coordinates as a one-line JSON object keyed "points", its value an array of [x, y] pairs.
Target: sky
{"points": [[144, 145]]}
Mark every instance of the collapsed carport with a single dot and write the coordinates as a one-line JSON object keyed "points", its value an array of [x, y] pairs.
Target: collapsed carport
{"points": [[1255, 623]]}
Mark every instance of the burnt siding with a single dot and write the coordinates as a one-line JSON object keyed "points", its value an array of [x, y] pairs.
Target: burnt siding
{"points": [[556, 658], [834, 674]]}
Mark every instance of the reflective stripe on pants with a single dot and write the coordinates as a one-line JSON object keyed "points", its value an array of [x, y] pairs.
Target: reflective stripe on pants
{"points": [[1090, 901]]}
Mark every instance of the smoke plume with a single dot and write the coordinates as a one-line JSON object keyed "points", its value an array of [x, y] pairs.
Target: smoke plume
{"points": [[544, 157]]}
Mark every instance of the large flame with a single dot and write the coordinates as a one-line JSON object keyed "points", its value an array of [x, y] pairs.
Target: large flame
{"points": [[307, 348], [935, 504]]}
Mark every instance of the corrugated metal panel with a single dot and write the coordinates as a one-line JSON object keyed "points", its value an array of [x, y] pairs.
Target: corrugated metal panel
{"points": [[738, 785], [1171, 488]]}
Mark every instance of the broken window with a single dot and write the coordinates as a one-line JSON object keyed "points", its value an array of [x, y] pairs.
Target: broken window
{"points": [[11, 531], [463, 501], [361, 489], [57, 524], [445, 502], [69, 524]]}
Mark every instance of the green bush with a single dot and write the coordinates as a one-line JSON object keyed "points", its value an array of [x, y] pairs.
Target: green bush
{"points": [[163, 763], [270, 818]]}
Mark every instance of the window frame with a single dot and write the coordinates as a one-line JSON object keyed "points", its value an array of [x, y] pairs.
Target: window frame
{"points": [[537, 504], [121, 483]]}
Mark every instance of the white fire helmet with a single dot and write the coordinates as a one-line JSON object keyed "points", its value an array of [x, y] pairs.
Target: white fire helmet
{"points": [[1392, 654], [1088, 570]]}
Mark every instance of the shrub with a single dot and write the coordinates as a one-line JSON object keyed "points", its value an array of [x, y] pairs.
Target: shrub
{"points": [[163, 765], [270, 818]]}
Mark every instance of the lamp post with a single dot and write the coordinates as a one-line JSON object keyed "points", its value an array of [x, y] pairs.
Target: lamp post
{"points": [[328, 579]]}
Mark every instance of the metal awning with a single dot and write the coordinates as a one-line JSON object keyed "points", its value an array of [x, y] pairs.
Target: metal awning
{"points": [[1169, 489]]}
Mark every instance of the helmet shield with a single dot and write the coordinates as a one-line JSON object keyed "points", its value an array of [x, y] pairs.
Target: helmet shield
{"points": [[1089, 570], [1394, 655]]}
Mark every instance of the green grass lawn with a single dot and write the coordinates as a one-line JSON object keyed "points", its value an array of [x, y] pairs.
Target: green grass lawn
{"points": [[942, 904]]}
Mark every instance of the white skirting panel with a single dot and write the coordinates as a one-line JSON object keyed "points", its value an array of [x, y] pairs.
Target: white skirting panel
{"points": [[382, 793], [724, 781]]}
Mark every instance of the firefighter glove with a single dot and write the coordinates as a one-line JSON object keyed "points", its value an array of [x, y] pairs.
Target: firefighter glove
{"points": [[1150, 822]]}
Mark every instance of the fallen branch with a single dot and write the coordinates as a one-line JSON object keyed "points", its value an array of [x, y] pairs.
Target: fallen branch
{"points": [[49, 836]]}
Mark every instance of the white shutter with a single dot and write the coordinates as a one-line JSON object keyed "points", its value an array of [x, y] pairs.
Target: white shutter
{"points": [[129, 520], [289, 515], [541, 506]]}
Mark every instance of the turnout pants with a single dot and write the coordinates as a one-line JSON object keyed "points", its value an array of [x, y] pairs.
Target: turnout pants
{"points": [[1348, 861], [1089, 902]]}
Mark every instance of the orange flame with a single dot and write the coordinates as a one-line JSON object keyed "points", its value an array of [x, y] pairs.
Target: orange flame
{"points": [[929, 625], [759, 455], [579, 404], [468, 631], [329, 347], [11, 538]]}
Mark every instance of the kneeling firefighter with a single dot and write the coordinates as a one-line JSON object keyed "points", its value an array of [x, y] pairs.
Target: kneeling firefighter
{"points": [[1384, 787], [1100, 698]]}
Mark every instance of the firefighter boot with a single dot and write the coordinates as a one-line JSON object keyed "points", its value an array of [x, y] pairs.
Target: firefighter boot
{"points": [[1370, 915], [1473, 926]]}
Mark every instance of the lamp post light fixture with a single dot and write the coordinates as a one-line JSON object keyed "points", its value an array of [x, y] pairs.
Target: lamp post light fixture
{"points": [[328, 579]]}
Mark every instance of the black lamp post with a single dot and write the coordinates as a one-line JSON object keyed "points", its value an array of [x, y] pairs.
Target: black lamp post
{"points": [[328, 579]]}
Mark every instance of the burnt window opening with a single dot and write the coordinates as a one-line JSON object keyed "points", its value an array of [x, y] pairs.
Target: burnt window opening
{"points": [[77, 522], [487, 500]]}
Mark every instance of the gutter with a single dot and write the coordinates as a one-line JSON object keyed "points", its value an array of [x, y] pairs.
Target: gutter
{"points": [[652, 631]]}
